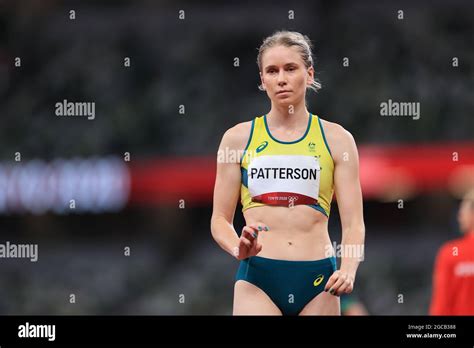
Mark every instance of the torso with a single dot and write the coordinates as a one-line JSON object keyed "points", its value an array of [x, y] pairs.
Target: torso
{"points": [[299, 232]]}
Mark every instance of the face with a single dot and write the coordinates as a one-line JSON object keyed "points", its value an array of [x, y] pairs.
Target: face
{"points": [[466, 216], [284, 75]]}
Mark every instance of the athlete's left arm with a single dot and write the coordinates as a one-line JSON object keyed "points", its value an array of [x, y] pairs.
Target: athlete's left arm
{"points": [[349, 201]]}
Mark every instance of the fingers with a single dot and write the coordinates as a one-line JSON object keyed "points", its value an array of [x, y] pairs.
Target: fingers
{"points": [[248, 245], [335, 288], [339, 283], [249, 233], [345, 288], [245, 242], [332, 279], [259, 227]]}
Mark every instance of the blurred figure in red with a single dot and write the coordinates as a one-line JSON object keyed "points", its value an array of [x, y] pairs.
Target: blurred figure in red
{"points": [[453, 278]]}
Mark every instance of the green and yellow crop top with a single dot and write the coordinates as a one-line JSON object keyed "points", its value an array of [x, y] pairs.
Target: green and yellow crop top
{"points": [[286, 173]]}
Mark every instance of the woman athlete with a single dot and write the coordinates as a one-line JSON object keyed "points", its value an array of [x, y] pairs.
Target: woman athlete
{"points": [[289, 164]]}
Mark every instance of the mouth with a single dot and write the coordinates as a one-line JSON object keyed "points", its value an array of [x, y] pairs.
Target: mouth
{"points": [[282, 92]]}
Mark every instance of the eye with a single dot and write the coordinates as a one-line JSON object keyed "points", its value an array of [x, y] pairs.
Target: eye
{"points": [[271, 71], [291, 68]]}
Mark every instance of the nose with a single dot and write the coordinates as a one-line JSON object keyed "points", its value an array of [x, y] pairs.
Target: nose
{"points": [[281, 78]]}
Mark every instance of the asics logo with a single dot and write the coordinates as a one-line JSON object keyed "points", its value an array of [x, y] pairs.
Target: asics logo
{"points": [[318, 280], [262, 146]]}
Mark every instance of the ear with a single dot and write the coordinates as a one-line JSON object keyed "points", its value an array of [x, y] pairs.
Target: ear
{"points": [[261, 79], [310, 76]]}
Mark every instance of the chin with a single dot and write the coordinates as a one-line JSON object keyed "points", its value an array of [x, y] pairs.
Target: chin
{"points": [[285, 102]]}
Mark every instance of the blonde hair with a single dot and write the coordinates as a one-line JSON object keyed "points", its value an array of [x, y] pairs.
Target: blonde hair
{"points": [[289, 39]]}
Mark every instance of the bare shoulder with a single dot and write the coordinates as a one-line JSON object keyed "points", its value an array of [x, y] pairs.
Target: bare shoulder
{"points": [[335, 131], [237, 136], [339, 139]]}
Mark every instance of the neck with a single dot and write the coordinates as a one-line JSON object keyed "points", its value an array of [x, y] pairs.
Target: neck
{"points": [[289, 116]]}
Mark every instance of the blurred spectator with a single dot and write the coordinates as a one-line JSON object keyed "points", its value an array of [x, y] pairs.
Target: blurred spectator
{"points": [[453, 283]]}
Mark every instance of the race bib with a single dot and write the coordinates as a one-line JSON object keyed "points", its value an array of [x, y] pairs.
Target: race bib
{"points": [[284, 179]]}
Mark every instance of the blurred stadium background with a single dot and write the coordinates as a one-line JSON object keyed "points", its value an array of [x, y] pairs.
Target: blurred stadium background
{"points": [[142, 172]]}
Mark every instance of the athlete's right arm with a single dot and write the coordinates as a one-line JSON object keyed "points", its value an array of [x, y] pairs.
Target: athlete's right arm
{"points": [[227, 193]]}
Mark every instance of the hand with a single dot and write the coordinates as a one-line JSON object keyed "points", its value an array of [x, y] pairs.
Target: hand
{"points": [[248, 242], [340, 283]]}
